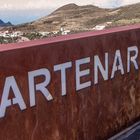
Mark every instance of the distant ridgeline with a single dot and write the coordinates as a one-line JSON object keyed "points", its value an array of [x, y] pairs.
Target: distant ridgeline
{"points": [[3, 24]]}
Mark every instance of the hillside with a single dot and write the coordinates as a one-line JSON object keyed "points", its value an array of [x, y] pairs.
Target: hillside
{"points": [[81, 18]]}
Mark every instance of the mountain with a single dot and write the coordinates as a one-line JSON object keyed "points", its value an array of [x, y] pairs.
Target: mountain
{"points": [[3, 24], [81, 18]]}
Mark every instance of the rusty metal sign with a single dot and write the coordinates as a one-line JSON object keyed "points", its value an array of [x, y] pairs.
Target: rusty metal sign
{"points": [[78, 87]]}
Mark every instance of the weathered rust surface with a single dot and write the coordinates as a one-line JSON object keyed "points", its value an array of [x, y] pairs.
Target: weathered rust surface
{"points": [[93, 113]]}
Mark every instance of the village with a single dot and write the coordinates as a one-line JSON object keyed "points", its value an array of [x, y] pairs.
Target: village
{"points": [[14, 36]]}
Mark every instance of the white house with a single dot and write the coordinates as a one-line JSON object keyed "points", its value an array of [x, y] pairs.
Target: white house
{"points": [[99, 27]]}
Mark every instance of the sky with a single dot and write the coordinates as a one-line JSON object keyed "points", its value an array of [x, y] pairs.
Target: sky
{"points": [[21, 11]]}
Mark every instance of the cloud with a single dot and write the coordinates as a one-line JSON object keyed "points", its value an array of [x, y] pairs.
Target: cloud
{"points": [[38, 4], [15, 10], [43, 4], [106, 3], [126, 2]]}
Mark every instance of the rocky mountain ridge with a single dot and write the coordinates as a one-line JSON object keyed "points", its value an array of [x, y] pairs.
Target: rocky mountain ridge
{"points": [[3, 24], [82, 18]]}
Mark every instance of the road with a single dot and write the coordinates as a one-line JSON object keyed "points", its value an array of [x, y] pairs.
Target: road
{"points": [[131, 133]]}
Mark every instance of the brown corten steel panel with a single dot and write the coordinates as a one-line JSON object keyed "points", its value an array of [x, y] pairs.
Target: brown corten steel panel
{"points": [[93, 113]]}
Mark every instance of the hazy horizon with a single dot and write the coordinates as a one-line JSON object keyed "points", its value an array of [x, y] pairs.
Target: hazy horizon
{"points": [[18, 12], [23, 16]]}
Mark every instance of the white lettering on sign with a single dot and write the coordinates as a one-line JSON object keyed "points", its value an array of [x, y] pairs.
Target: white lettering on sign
{"points": [[132, 59], [99, 66], [42, 87], [118, 66], [10, 83], [84, 68], [63, 68], [81, 73]]}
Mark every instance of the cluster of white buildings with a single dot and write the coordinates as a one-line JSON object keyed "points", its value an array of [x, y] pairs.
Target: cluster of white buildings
{"points": [[20, 33], [62, 31], [101, 26], [19, 36], [8, 34]]}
